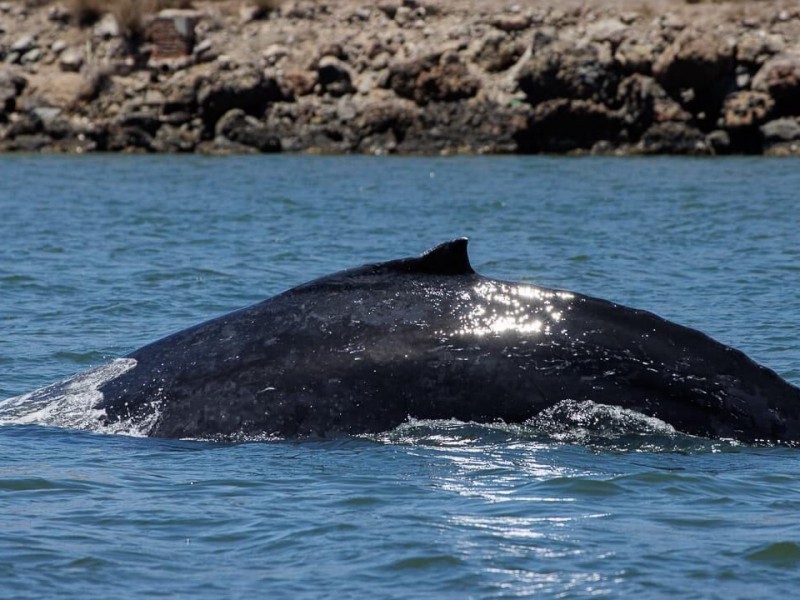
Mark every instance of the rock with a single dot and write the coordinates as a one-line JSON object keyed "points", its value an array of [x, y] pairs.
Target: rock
{"points": [[755, 47], [141, 120], [780, 78], [238, 127], [47, 115], [95, 82], [719, 142], [563, 71], [295, 83], [402, 76], [23, 45], [427, 80], [172, 138], [498, 52], [31, 142], [361, 14], [26, 123], [31, 56], [439, 128], [611, 31], [247, 89], [746, 109], [673, 137], [333, 77], [511, 23], [781, 137], [563, 125], [302, 9], [58, 14], [446, 83], [203, 49], [389, 8], [181, 97], [130, 140], [382, 126], [635, 55], [58, 46], [702, 63], [780, 131], [11, 86], [333, 49], [106, 28], [274, 53], [642, 102], [402, 15], [307, 127]]}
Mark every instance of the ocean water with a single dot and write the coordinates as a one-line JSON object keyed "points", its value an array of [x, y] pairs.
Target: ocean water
{"points": [[103, 254]]}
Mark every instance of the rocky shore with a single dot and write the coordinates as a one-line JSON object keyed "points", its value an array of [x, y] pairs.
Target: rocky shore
{"points": [[404, 76]]}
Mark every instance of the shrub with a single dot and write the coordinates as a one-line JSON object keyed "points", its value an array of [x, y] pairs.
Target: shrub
{"points": [[86, 12]]}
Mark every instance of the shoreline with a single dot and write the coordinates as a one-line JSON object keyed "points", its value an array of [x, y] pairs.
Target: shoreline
{"points": [[404, 77]]}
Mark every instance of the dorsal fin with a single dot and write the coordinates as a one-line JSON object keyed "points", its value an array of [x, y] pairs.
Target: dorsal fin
{"points": [[449, 258]]}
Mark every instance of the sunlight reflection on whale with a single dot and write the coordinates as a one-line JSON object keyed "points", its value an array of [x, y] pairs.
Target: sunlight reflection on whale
{"points": [[531, 310]]}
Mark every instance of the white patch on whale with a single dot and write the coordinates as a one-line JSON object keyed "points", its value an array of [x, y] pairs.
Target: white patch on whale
{"points": [[72, 403]]}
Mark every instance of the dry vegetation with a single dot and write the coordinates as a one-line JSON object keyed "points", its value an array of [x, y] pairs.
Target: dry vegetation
{"points": [[131, 14]]}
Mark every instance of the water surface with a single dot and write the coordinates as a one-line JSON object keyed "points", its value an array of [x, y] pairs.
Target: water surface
{"points": [[102, 254]]}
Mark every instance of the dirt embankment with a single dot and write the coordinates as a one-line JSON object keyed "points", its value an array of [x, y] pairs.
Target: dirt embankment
{"points": [[404, 76]]}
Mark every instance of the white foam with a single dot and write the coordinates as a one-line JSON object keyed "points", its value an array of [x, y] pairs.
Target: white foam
{"points": [[72, 403], [574, 420]]}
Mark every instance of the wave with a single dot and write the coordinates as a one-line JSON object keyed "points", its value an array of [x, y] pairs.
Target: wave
{"points": [[598, 426], [71, 403]]}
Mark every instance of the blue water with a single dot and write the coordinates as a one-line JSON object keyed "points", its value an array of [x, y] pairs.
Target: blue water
{"points": [[100, 255]]}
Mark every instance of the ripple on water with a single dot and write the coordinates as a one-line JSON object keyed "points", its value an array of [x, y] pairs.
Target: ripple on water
{"points": [[784, 555]]}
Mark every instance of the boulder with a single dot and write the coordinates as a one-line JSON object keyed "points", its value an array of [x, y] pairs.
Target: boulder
{"points": [[781, 137], [609, 30], [130, 140], [432, 79], [11, 86], [642, 102], [746, 109], [241, 128], [296, 83], [245, 89], [23, 44], [171, 138], [140, 119], [563, 125], [754, 48], [448, 82], [36, 142], [699, 68], [673, 137], [498, 52], [475, 126], [511, 22], [333, 77], [382, 125], [27, 123], [561, 70], [71, 60], [719, 142], [780, 78]]}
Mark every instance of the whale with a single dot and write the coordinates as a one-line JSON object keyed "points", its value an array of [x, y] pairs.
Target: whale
{"points": [[426, 337]]}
